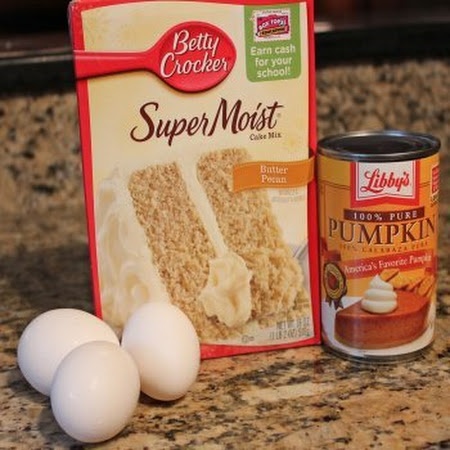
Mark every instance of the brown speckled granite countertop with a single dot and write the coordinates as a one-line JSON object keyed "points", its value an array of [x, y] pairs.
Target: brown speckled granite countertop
{"points": [[293, 399]]}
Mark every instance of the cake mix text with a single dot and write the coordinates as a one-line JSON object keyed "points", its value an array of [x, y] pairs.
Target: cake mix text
{"points": [[233, 117]]}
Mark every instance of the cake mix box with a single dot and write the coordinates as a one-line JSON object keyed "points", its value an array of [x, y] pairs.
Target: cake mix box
{"points": [[197, 128]]}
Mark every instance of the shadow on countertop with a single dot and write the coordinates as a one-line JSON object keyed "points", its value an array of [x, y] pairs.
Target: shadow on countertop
{"points": [[48, 278]]}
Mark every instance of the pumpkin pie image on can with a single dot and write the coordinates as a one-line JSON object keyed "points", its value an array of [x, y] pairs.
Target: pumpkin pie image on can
{"points": [[378, 212]]}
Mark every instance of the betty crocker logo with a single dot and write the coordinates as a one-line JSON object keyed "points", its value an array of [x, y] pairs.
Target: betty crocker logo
{"points": [[375, 183], [196, 56], [190, 57]]}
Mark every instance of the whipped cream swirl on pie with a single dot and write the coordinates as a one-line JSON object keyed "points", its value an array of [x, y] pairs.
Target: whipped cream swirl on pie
{"points": [[380, 298]]}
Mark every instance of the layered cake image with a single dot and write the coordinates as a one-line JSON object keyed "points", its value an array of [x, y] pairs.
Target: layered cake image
{"points": [[386, 317], [176, 231]]}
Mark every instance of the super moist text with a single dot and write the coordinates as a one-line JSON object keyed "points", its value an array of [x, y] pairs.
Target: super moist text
{"points": [[232, 117]]}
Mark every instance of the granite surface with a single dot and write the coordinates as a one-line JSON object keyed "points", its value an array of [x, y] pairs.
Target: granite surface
{"points": [[294, 399]]}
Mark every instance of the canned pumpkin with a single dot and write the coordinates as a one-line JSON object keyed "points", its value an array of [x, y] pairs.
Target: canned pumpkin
{"points": [[378, 208]]}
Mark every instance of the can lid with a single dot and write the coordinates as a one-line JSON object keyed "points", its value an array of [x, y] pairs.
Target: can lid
{"points": [[379, 146]]}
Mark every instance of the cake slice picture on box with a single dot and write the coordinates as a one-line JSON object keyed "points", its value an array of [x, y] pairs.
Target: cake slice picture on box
{"points": [[191, 240]]}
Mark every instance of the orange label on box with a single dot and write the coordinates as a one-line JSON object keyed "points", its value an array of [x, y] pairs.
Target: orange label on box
{"points": [[267, 174]]}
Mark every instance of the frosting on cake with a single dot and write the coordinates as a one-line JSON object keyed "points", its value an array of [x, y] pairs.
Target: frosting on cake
{"points": [[227, 294], [126, 273]]}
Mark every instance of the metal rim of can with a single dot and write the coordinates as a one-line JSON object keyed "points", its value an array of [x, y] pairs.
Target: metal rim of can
{"points": [[379, 146]]}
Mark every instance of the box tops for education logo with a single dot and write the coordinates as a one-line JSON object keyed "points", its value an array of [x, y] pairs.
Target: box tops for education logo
{"points": [[272, 25]]}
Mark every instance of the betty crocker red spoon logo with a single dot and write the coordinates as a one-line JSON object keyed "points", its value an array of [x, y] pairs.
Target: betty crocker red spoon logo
{"points": [[190, 57]]}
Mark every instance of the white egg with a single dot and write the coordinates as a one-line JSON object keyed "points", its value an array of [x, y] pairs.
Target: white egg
{"points": [[165, 347], [95, 391], [49, 337]]}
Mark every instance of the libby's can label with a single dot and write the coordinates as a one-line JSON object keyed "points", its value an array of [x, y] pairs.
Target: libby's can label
{"points": [[378, 208]]}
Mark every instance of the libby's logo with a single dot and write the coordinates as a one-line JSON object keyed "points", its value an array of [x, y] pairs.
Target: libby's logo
{"points": [[393, 182], [190, 57]]}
